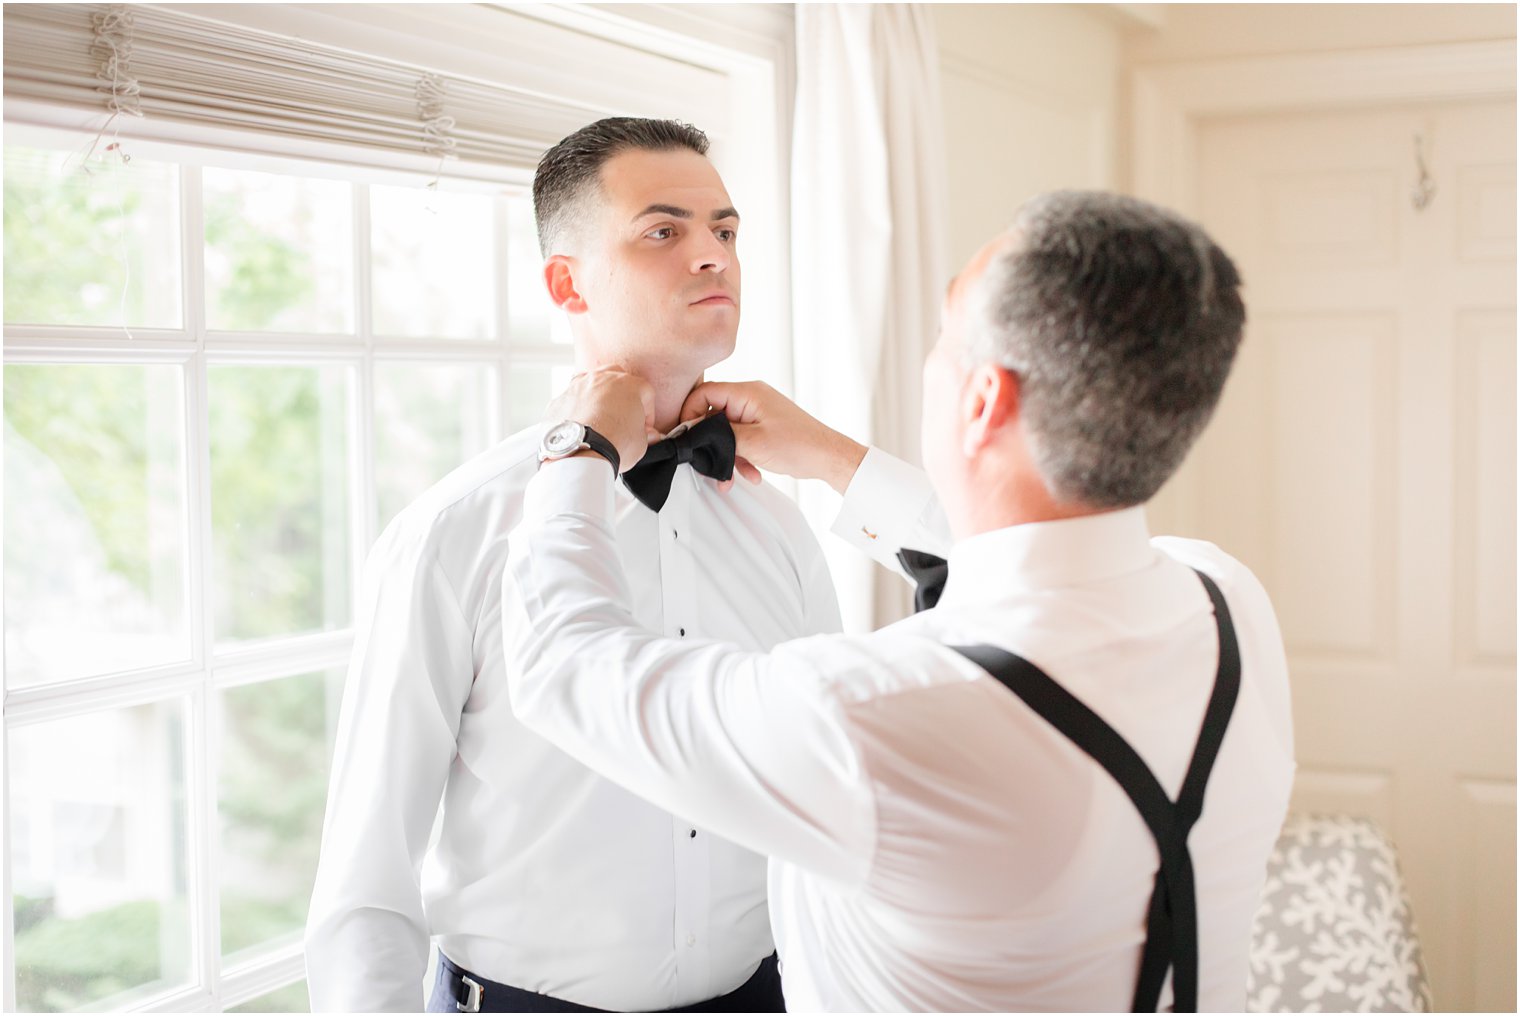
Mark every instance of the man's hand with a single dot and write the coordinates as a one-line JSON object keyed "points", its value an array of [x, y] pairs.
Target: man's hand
{"points": [[773, 433], [617, 405]]}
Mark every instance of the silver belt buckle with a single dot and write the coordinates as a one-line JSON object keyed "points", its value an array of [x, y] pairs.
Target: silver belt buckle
{"points": [[472, 1000]]}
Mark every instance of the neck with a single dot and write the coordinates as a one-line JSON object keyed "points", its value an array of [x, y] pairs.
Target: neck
{"points": [[669, 395], [671, 385], [1001, 497]]}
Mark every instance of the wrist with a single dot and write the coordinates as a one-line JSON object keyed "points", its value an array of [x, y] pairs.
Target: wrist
{"points": [[845, 457], [573, 439]]}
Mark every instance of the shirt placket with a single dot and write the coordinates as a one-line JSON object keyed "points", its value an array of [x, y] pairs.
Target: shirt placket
{"points": [[679, 589]]}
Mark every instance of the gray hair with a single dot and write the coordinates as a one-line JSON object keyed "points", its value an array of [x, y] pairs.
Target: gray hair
{"points": [[1122, 320], [570, 172]]}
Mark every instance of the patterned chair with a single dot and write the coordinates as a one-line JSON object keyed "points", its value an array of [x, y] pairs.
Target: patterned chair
{"points": [[1335, 932]]}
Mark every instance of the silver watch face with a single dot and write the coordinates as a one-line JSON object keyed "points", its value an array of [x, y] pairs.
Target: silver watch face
{"points": [[562, 439]]}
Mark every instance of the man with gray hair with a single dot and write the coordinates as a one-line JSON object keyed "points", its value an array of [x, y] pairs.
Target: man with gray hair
{"points": [[1057, 788]]}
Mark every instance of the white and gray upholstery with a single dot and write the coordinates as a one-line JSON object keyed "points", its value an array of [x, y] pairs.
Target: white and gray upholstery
{"points": [[1335, 932]]}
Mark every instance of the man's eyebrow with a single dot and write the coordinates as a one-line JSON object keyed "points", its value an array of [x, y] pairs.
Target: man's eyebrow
{"points": [[685, 213], [671, 210]]}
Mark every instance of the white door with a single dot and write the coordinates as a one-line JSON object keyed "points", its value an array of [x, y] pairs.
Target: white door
{"points": [[1363, 464]]}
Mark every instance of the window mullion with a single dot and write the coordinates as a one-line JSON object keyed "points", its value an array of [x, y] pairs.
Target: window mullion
{"points": [[281, 658], [501, 234], [246, 982], [362, 472], [9, 990], [46, 703], [202, 777], [52, 343]]}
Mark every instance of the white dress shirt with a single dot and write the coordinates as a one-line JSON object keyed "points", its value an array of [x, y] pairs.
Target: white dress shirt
{"points": [[544, 875], [934, 844]]}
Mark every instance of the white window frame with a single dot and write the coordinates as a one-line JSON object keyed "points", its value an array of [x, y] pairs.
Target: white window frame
{"points": [[195, 349], [749, 44]]}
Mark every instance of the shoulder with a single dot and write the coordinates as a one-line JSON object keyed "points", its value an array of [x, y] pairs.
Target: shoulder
{"points": [[1237, 583], [452, 519], [1256, 626]]}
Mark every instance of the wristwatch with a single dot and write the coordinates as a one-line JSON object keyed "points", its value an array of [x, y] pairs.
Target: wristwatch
{"points": [[567, 437]]}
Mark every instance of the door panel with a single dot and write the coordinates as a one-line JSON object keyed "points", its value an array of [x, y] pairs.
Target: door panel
{"points": [[1362, 462]]}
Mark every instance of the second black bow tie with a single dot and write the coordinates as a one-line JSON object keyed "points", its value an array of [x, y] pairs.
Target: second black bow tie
{"points": [[708, 446], [929, 571]]}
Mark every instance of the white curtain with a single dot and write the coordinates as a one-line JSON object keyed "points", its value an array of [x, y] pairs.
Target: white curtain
{"points": [[868, 263]]}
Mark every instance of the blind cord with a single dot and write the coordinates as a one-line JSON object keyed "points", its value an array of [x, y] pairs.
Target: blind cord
{"points": [[437, 126], [113, 47]]}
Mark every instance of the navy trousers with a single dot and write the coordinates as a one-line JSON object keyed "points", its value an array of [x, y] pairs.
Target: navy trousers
{"points": [[761, 993]]}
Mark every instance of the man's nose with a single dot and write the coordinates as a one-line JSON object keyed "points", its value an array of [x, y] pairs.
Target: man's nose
{"points": [[709, 254]]}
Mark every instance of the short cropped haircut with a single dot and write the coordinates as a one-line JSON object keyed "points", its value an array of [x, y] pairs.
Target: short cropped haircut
{"points": [[1122, 320], [570, 172]]}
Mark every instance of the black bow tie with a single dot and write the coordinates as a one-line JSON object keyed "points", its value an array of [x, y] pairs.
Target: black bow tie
{"points": [[709, 447], [929, 572]]}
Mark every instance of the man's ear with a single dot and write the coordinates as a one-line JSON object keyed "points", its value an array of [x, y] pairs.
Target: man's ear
{"points": [[990, 403], [559, 277]]}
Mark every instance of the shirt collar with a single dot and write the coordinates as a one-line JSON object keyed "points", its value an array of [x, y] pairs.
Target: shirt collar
{"points": [[1043, 555]]}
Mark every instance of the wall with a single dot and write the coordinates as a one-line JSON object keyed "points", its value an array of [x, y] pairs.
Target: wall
{"points": [[1208, 31], [1036, 95], [1030, 96]]}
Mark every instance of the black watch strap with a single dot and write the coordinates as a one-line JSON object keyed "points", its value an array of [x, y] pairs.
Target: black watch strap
{"points": [[605, 449]]}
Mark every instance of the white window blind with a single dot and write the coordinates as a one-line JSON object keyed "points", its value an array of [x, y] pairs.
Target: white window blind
{"points": [[180, 68]]}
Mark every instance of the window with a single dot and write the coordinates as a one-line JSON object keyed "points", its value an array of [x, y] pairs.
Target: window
{"points": [[221, 383], [229, 363]]}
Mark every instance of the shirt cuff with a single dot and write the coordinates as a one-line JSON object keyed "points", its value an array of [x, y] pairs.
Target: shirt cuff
{"points": [[576, 486], [885, 507]]}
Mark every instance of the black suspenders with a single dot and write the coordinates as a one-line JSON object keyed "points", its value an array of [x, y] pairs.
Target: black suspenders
{"points": [[1171, 926]]}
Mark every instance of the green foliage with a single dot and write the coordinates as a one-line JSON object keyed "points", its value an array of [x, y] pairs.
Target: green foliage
{"points": [[64, 238], [251, 922], [29, 910], [278, 510], [280, 729], [268, 274], [65, 964], [274, 736], [91, 422]]}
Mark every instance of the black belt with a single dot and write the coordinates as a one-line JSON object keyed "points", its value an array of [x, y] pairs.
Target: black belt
{"points": [[1171, 925], [761, 993]]}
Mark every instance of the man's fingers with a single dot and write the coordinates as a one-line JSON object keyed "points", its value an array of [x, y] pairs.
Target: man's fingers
{"points": [[742, 467], [695, 406], [747, 441], [736, 400]]}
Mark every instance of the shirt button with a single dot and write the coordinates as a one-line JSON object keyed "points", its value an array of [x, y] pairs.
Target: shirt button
{"points": [[683, 632], [691, 940], [675, 534], [693, 834]]}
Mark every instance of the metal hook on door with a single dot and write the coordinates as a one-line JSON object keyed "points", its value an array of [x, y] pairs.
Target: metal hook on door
{"points": [[1425, 187]]}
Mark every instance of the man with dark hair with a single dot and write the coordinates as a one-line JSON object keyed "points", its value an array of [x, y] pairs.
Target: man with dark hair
{"points": [[569, 175], [548, 887], [1057, 788]]}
